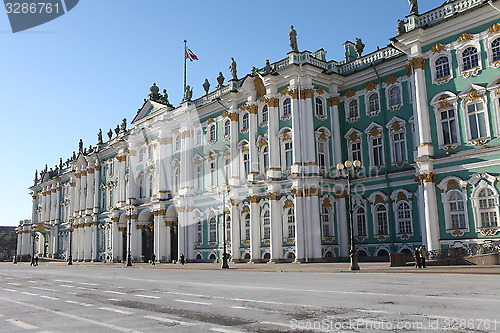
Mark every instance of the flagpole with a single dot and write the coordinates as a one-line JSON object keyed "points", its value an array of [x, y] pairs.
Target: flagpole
{"points": [[185, 67]]}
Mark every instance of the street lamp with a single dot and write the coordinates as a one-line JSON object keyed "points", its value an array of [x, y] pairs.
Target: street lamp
{"points": [[70, 230], [130, 210], [350, 169], [225, 255]]}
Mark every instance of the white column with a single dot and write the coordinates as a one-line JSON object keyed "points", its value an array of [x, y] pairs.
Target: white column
{"points": [[335, 123], [342, 223], [274, 170], [235, 232], [161, 234], [235, 158], [97, 172], [252, 131], [300, 232], [168, 239], [424, 125], [276, 224], [315, 238], [164, 167], [116, 239], [254, 228], [58, 199], [431, 212], [83, 195], [54, 235], [76, 197], [297, 124], [89, 205], [134, 237]]}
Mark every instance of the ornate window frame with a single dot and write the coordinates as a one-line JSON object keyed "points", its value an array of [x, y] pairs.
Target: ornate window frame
{"points": [[286, 103], [494, 89], [354, 136], [389, 85], [466, 41], [264, 225], [359, 203], [376, 111], [323, 135], [326, 203], [481, 181], [285, 136], [198, 138], [445, 101], [376, 199], [376, 131], [289, 220], [347, 108], [474, 94], [397, 126], [264, 110], [493, 35], [212, 133], [320, 104], [447, 186], [437, 51], [227, 128], [399, 198]]}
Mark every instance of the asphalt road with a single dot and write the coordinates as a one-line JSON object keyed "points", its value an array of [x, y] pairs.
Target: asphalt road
{"points": [[111, 299]]}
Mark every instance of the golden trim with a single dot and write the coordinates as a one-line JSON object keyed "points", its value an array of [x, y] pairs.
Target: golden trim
{"points": [[391, 79], [417, 63], [437, 48], [370, 86], [273, 195], [426, 144], [254, 199], [334, 101], [494, 29], [350, 93], [465, 37]]}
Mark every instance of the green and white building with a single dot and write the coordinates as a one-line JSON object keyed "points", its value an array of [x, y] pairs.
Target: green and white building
{"points": [[422, 115]]}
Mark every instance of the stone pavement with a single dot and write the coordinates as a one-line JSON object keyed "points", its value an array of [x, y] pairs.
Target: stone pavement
{"points": [[339, 267]]}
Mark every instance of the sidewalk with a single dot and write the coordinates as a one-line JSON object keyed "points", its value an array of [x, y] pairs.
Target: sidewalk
{"points": [[342, 267]]}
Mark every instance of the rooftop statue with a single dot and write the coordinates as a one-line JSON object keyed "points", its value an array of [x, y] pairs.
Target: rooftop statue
{"points": [[124, 125], [401, 27], [360, 47], [293, 39], [413, 6], [164, 97], [154, 95], [110, 134], [232, 68], [267, 69], [60, 163], [206, 86], [117, 129], [80, 146], [36, 176], [188, 93], [220, 80], [99, 137]]}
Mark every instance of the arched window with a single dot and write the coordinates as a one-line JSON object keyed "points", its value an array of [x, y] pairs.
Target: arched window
{"points": [[442, 67], [246, 162], [111, 198], [265, 114], [495, 49], [487, 209], [353, 109], [326, 222], [265, 158], [177, 143], [227, 127], [141, 155], [246, 223], [290, 222], [449, 126], [197, 175], [403, 215], [266, 225], [320, 112], [228, 228], [199, 232], [212, 229], [469, 58], [211, 131], [394, 96], [360, 221], [457, 210], [213, 175], [321, 155], [287, 107], [198, 138], [227, 169], [150, 186], [177, 178], [288, 155], [381, 218], [244, 122], [373, 103], [141, 188]]}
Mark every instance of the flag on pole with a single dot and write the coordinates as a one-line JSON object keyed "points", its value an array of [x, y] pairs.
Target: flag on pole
{"points": [[190, 55]]}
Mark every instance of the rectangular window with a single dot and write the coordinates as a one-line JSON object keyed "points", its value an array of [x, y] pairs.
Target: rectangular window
{"points": [[377, 152], [477, 121], [321, 155], [448, 127], [288, 155], [246, 163], [356, 151], [399, 142]]}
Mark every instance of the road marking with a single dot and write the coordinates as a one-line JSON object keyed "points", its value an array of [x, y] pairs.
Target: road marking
{"points": [[193, 302], [89, 284], [116, 310], [46, 289], [49, 297], [66, 286], [27, 293], [274, 323], [33, 281], [14, 284], [245, 308], [65, 281], [147, 296], [114, 292], [10, 290], [169, 321], [224, 330], [114, 299], [69, 292], [72, 316], [21, 324], [79, 303]]}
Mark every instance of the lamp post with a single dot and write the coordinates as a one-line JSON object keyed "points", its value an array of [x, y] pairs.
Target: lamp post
{"points": [[350, 169], [70, 258], [130, 210], [225, 255]]}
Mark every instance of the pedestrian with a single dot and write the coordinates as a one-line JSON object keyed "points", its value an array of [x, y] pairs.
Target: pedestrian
{"points": [[36, 260], [423, 255], [153, 259], [418, 260], [183, 260]]}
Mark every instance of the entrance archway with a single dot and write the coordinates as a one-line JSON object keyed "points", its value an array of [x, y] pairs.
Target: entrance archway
{"points": [[148, 239], [172, 221]]}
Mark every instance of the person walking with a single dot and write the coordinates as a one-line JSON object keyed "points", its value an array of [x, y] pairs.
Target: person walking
{"points": [[423, 255], [183, 259], [153, 259], [418, 259], [36, 260]]}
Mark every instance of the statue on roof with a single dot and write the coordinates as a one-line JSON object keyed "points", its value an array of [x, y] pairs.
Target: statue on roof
{"points": [[117, 129], [401, 27], [164, 98], [267, 69], [293, 39], [124, 125], [206, 86], [154, 92], [360, 47], [413, 6], [99, 137], [110, 133], [232, 68], [60, 163], [80, 146], [220, 80], [188, 93], [74, 155], [36, 176]]}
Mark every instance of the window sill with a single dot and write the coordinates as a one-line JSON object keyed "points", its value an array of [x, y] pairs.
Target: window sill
{"points": [[442, 80], [395, 107], [471, 72], [352, 119]]}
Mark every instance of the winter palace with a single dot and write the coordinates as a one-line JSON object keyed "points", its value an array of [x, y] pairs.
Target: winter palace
{"points": [[252, 163]]}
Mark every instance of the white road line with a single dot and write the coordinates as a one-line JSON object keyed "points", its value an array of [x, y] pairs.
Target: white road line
{"points": [[65, 281], [49, 297], [116, 310], [33, 281], [245, 308], [147, 296], [14, 284], [224, 330], [72, 316], [69, 292], [114, 292], [46, 289], [79, 303], [114, 299], [1, 315], [27, 293], [193, 302], [275, 323], [10, 290], [21, 324], [169, 321], [89, 284], [66, 286]]}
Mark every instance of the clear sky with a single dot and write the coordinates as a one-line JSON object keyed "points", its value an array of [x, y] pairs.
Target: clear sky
{"points": [[93, 66]]}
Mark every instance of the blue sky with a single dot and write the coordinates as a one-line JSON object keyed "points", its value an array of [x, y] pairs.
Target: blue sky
{"points": [[93, 66]]}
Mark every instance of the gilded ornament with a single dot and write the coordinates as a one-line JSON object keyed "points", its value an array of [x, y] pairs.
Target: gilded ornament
{"points": [[350, 93], [465, 37], [457, 233], [233, 116], [306, 93], [284, 91], [334, 101], [473, 95], [401, 196], [312, 192], [272, 102], [379, 198], [253, 109], [381, 238], [452, 184], [263, 143], [245, 209], [320, 90], [296, 193], [417, 63], [287, 136], [327, 203], [426, 144], [288, 204], [244, 148], [404, 237], [170, 140], [409, 71], [396, 127], [322, 137], [428, 177], [294, 93], [391, 79], [210, 120], [374, 132], [253, 199], [370, 86], [225, 113], [437, 48], [444, 104], [234, 202], [353, 137], [274, 195], [494, 29], [259, 86]]}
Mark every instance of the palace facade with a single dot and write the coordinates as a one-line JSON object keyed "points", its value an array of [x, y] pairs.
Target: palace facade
{"points": [[422, 115]]}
